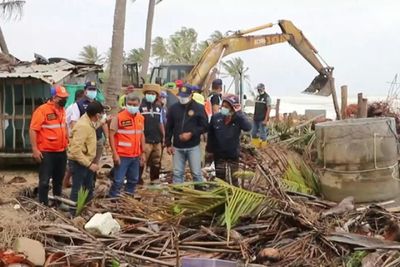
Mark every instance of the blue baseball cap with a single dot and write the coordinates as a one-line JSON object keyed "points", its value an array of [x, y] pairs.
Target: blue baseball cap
{"points": [[90, 86], [185, 90]]}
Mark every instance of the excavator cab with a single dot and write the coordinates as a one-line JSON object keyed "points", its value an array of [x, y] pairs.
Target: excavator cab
{"points": [[170, 73]]}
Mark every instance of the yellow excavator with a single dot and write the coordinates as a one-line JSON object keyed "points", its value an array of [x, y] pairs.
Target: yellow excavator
{"points": [[204, 72], [200, 73]]}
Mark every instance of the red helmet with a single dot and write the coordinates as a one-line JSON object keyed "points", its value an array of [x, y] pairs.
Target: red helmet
{"points": [[233, 100]]}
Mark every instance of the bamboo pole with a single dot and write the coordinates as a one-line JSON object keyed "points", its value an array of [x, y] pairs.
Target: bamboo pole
{"points": [[278, 103], [364, 108], [344, 94], [359, 103]]}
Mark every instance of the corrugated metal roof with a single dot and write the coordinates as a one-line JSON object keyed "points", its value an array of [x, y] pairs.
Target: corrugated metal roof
{"points": [[48, 73]]}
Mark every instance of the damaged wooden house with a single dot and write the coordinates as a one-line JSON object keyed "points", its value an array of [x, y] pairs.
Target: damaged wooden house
{"points": [[26, 85]]}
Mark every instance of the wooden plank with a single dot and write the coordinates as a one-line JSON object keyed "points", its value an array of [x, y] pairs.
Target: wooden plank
{"points": [[344, 95]]}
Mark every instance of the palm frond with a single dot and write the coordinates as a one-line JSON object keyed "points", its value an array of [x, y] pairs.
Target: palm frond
{"points": [[12, 8]]}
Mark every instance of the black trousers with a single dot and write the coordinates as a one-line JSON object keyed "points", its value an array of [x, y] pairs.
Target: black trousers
{"points": [[53, 166], [224, 166]]}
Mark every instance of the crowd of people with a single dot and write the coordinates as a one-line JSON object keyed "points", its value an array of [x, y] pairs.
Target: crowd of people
{"points": [[68, 143]]}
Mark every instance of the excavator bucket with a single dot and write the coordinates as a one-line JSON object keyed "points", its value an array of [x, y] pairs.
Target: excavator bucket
{"points": [[321, 85]]}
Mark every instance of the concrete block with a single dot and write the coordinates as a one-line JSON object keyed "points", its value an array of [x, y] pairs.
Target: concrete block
{"points": [[103, 224], [33, 249]]}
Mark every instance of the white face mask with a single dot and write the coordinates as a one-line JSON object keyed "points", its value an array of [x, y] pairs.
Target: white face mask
{"points": [[184, 100]]}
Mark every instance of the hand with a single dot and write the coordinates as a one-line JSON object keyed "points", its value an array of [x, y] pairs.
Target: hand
{"points": [[209, 158], [265, 122], [116, 159], [94, 167], [184, 137], [37, 155], [170, 150], [142, 159]]}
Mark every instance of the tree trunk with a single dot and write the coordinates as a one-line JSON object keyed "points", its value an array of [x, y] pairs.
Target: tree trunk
{"points": [[147, 46], [3, 44], [114, 82]]}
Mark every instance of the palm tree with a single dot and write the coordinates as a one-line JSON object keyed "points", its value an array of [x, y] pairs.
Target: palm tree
{"points": [[215, 36], [149, 28], [159, 49], [10, 8], [90, 55], [117, 55], [136, 55], [234, 69]]}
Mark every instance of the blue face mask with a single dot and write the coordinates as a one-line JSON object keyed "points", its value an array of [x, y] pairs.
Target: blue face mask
{"points": [[132, 109], [225, 111], [150, 98], [91, 94]]}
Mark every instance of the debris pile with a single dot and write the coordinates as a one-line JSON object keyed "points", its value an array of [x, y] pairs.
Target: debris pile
{"points": [[275, 219]]}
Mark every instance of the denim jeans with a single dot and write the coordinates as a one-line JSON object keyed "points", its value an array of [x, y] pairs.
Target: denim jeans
{"points": [[82, 177], [193, 155], [52, 166], [259, 130], [128, 167]]}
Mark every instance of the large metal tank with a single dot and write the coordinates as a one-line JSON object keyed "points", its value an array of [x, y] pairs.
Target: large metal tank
{"points": [[358, 157]]}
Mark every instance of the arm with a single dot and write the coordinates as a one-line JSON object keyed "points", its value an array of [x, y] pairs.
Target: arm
{"points": [[105, 130], [79, 137], [268, 111], [36, 125], [202, 125], [211, 137], [243, 122], [113, 131], [162, 129], [75, 115], [169, 128], [214, 104]]}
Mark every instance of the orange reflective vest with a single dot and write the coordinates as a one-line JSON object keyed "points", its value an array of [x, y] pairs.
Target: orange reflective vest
{"points": [[129, 134], [49, 122]]}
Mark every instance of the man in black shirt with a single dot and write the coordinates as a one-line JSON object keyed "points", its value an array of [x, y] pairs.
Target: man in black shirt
{"points": [[262, 109], [186, 122], [150, 108]]}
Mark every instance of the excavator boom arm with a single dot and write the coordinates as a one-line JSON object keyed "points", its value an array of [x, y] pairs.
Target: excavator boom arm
{"points": [[241, 42]]}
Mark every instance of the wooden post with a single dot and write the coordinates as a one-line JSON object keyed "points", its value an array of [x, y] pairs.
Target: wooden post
{"points": [[278, 103], [359, 103], [344, 93], [364, 108], [334, 97]]}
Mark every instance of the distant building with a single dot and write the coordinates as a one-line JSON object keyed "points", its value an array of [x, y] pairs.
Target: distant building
{"points": [[26, 85]]}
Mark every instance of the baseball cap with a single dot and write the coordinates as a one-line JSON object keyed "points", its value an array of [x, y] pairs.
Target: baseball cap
{"points": [[163, 94], [217, 82], [185, 90], [196, 88], [59, 91], [232, 100], [170, 85], [260, 86], [90, 85]]}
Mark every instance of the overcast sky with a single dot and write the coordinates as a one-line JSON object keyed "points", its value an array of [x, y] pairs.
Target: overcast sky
{"points": [[359, 38]]}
